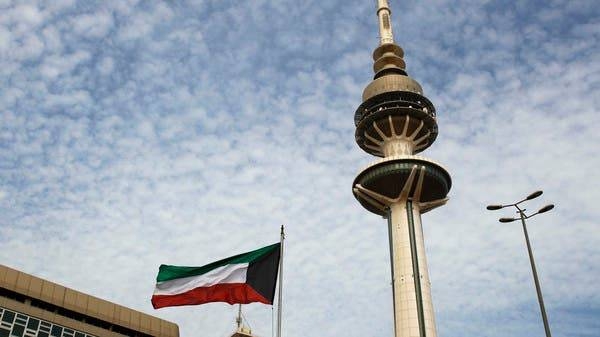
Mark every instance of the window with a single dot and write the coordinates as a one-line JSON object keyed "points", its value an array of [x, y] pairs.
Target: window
{"points": [[15, 324], [8, 316], [56, 331], [386, 21], [33, 323], [18, 330]]}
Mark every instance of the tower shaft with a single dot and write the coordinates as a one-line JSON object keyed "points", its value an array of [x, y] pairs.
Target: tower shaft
{"points": [[413, 306]]}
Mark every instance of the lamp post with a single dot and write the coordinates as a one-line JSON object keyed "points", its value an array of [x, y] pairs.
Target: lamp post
{"points": [[523, 216]]}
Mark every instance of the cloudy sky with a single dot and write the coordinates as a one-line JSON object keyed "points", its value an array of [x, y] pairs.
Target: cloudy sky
{"points": [[135, 133]]}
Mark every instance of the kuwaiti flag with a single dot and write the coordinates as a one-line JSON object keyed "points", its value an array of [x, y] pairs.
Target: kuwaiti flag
{"points": [[244, 278]]}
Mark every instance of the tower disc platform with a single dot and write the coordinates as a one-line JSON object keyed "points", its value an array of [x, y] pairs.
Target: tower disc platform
{"points": [[389, 175]]}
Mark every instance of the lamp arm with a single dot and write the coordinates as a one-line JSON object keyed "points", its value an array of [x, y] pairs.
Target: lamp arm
{"points": [[532, 215], [516, 203]]}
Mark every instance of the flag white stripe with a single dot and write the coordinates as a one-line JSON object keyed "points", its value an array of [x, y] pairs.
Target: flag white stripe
{"points": [[231, 273]]}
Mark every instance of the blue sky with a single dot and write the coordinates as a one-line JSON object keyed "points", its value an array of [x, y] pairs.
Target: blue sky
{"points": [[138, 133]]}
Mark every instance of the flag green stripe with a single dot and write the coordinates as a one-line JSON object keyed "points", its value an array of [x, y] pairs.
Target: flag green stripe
{"points": [[167, 272]]}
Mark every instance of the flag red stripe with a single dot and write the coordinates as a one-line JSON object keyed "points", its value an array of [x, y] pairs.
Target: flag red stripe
{"points": [[231, 293]]}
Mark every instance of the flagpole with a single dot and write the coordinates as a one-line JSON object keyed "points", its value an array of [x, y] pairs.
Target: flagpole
{"points": [[239, 318], [282, 238]]}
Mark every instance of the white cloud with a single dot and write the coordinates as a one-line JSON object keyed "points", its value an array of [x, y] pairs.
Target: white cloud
{"points": [[27, 15], [92, 26]]}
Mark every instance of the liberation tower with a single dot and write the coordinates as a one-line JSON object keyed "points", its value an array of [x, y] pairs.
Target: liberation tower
{"points": [[396, 121]]}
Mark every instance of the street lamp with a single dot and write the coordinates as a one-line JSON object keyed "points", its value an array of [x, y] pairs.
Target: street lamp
{"points": [[521, 212]]}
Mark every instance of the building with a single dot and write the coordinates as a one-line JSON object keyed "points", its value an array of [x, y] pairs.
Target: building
{"points": [[241, 330], [395, 122], [31, 306]]}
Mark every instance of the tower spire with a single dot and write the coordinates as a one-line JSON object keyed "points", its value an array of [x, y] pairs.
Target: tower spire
{"points": [[385, 27], [388, 56]]}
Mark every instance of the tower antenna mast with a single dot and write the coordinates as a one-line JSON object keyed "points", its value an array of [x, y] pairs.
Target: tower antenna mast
{"points": [[385, 26]]}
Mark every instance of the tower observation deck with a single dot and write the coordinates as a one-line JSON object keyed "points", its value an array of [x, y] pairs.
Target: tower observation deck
{"points": [[395, 122]]}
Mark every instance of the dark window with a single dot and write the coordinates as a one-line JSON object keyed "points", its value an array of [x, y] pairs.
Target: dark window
{"points": [[386, 21], [18, 330], [42, 334], [56, 331], [21, 319], [8, 316], [4, 332], [79, 334], [33, 323]]}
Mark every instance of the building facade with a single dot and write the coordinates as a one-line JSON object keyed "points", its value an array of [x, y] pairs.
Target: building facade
{"points": [[31, 306]]}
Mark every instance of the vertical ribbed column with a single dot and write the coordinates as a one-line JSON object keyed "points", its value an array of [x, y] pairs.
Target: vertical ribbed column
{"points": [[406, 297], [429, 315]]}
